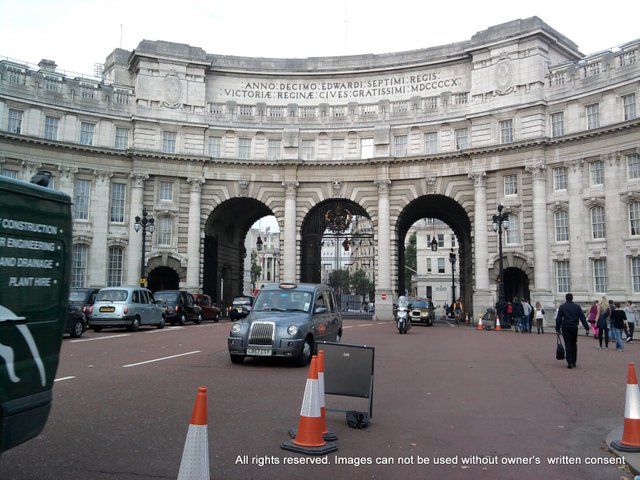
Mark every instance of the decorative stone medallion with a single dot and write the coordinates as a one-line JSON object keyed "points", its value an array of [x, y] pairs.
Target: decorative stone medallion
{"points": [[504, 76], [172, 90]]}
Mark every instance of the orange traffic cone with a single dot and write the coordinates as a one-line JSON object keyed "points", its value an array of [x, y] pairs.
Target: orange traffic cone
{"points": [[195, 457], [467, 319], [480, 327], [498, 327], [630, 441], [309, 437]]}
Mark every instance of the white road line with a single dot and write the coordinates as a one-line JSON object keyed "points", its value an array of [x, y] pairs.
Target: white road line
{"points": [[64, 378], [349, 326], [164, 330], [160, 359], [100, 338], [365, 324]]}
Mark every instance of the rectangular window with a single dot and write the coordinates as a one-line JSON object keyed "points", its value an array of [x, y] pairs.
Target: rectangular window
{"points": [[165, 231], [8, 172], [513, 232], [440, 264], [633, 166], [215, 146], [634, 218], [597, 172], [122, 138], [629, 106], [510, 184], [635, 274], [15, 120], [337, 149], [366, 148], [600, 275], [557, 124], [561, 220], [169, 142], [86, 133], [307, 149], [51, 127], [593, 115], [274, 149], [79, 266], [461, 139], [560, 178], [428, 265], [431, 143], [114, 270], [506, 131], [597, 223], [244, 148], [81, 196], [563, 276], [166, 191], [118, 192], [400, 144]]}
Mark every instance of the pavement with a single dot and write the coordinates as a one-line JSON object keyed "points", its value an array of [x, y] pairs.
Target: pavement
{"points": [[632, 459]]}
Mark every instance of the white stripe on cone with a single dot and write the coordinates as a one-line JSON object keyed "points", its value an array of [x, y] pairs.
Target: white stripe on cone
{"points": [[311, 400], [632, 405], [195, 457]]}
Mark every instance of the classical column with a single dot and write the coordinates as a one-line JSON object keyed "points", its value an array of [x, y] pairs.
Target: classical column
{"points": [[384, 294], [578, 231], [193, 234], [135, 238], [616, 219], [541, 239], [289, 241], [100, 217], [482, 296]]}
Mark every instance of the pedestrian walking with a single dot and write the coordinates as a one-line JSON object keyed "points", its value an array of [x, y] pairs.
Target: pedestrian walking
{"points": [[569, 315], [632, 317], [539, 313], [528, 311], [618, 325], [603, 323], [518, 314], [592, 317]]}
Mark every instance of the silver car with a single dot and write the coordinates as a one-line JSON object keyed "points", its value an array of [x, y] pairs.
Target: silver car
{"points": [[128, 307]]}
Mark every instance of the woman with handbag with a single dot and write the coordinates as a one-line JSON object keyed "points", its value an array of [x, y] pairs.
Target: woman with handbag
{"points": [[592, 317]]}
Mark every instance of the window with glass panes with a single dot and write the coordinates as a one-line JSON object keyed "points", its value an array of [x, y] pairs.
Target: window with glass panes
{"points": [[599, 275], [164, 231], [634, 218], [166, 191], [86, 133], [273, 149], [337, 149], [441, 265], [460, 136], [512, 234], [510, 184], [117, 202], [560, 178], [244, 148], [215, 146], [593, 115], [8, 172], [506, 131], [366, 147], [307, 149], [81, 194], [51, 127], [15, 120], [557, 124], [597, 172], [122, 138], [629, 106], [431, 143], [633, 166], [114, 267], [597, 222], [79, 265], [635, 274], [563, 276], [400, 145], [561, 220], [169, 142], [428, 265]]}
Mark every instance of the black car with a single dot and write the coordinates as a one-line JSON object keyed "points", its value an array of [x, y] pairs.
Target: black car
{"points": [[240, 307], [83, 299], [76, 323], [179, 306]]}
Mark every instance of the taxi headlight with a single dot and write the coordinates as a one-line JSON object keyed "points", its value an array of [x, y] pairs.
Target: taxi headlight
{"points": [[292, 330], [235, 328]]}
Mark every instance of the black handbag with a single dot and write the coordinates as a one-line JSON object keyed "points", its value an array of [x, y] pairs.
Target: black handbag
{"points": [[559, 349]]}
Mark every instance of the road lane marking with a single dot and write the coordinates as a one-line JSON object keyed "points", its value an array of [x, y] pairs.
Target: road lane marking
{"points": [[100, 338], [164, 330], [365, 324], [160, 359], [64, 378]]}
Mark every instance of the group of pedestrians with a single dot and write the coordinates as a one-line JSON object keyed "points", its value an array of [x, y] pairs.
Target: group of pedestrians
{"points": [[522, 314]]}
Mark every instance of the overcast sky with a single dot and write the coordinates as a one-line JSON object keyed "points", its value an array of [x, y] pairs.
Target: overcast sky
{"points": [[77, 34]]}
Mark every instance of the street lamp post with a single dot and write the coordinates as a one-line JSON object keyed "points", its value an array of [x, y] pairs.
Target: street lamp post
{"points": [[500, 223], [146, 224], [452, 259]]}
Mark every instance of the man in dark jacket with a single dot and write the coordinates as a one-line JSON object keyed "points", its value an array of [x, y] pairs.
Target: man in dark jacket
{"points": [[569, 314]]}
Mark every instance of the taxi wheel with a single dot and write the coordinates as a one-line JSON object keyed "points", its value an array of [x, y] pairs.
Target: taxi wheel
{"points": [[77, 330], [135, 325], [198, 320], [305, 354], [181, 319], [161, 324]]}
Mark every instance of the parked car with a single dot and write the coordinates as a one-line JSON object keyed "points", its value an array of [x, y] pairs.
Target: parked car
{"points": [[209, 310], [240, 307], [179, 306], [83, 298], [129, 307], [422, 311], [286, 321], [76, 323]]}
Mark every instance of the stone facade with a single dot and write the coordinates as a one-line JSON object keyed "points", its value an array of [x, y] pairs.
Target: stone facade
{"points": [[209, 144]]}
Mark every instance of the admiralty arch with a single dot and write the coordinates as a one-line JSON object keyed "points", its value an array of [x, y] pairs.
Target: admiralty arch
{"points": [[208, 144]]}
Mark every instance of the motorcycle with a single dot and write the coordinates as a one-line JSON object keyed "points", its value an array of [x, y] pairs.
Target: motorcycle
{"points": [[402, 315]]}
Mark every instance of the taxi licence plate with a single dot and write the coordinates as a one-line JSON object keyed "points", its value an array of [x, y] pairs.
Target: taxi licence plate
{"points": [[107, 309], [259, 351]]}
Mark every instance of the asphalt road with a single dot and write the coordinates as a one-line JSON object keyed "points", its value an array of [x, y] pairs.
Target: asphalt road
{"points": [[454, 403]]}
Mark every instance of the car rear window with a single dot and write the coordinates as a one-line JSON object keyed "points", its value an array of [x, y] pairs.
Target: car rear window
{"points": [[167, 296], [111, 296], [77, 296]]}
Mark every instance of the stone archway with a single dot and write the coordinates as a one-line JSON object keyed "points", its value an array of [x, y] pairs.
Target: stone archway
{"points": [[163, 278]]}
